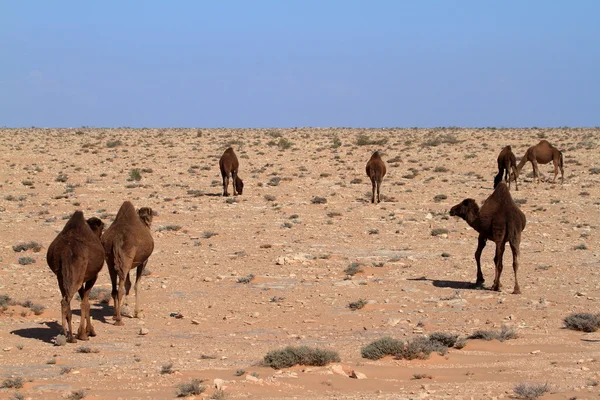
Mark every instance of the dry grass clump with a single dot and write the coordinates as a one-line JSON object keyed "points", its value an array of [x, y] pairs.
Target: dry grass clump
{"points": [[530, 391], [505, 333], [302, 355], [365, 140], [584, 322], [357, 305], [318, 200], [101, 294], [246, 279], [13, 383], [26, 260], [77, 394], [380, 348], [194, 388], [439, 231], [35, 246], [353, 269]]}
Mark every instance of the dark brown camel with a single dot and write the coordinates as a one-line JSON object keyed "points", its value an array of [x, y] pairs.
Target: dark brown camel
{"points": [[543, 153], [76, 257], [507, 167], [376, 171], [229, 167], [127, 244], [500, 220]]}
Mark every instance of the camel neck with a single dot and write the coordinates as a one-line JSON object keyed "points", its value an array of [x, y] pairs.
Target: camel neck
{"points": [[472, 219]]}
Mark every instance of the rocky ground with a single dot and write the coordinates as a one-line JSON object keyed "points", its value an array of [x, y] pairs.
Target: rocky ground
{"points": [[304, 217]]}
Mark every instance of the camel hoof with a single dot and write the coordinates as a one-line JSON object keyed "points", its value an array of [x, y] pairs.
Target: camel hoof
{"points": [[92, 333], [119, 323], [516, 291], [496, 288], [71, 340], [83, 337]]}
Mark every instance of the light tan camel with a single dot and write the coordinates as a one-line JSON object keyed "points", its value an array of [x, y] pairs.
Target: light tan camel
{"points": [[499, 220], [376, 171], [507, 166], [76, 257], [543, 153], [127, 244], [228, 164]]}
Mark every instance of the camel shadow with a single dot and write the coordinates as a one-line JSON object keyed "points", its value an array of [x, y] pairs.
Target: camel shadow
{"points": [[450, 284], [46, 334], [98, 313]]}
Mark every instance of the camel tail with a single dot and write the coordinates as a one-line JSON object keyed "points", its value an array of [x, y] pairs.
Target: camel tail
{"points": [[118, 254], [560, 160], [66, 269]]}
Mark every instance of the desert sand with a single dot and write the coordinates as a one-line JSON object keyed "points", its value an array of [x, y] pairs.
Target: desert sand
{"points": [[304, 216]]}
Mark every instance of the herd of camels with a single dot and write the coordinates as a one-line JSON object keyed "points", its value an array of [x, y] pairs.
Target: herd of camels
{"points": [[79, 251]]}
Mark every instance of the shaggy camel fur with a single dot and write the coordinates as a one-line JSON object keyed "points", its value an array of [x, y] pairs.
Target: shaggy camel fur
{"points": [[76, 257], [543, 153], [229, 167], [376, 171], [127, 245], [507, 166], [500, 220]]}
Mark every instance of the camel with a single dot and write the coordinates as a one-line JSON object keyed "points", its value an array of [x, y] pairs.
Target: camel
{"points": [[229, 167], [543, 153], [500, 220], [376, 171], [76, 257], [507, 166], [127, 244]]}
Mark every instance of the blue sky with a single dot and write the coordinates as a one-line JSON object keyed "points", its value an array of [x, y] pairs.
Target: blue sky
{"points": [[347, 63]]}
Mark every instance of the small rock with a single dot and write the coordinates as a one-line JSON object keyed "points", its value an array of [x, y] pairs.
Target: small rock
{"points": [[358, 375], [207, 279], [536, 352], [144, 331], [219, 384], [195, 322], [251, 378], [337, 369]]}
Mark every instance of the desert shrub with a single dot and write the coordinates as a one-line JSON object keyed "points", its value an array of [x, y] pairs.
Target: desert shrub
{"points": [[356, 181], [357, 305], [580, 247], [421, 348], [353, 269], [240, 372], [61, 340], [422, 376], [274, 181], [530, 391], [169, 228], [135, 175], [13, 383], [245, 279], [365, 140], [101, 294], [77, 394], [584, 322], [318, 200], [193, 388], [209, 234], [86, 350], [167, 369], [35, 246], [62, 178], [113, 143], [26, 260], [440, 169], [505, 333], [439, 197], [4, 300], [302, 355], [269, 197], [439, 231], [382, 347], [37, 309], [445, 339], [336, 142]]}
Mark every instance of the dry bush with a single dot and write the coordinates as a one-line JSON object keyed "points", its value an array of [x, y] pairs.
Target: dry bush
{"points": [[35, 246], [505, 333], [530, 391], [194, 388], [380, 348], [584, 322], [357, 305], [302, 355]]}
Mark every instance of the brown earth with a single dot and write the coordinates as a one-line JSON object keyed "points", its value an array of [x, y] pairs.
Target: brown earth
{"points": [[297, 250]]}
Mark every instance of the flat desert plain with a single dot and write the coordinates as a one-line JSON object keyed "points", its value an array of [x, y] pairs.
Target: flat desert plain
{"points": [[233, 278]]}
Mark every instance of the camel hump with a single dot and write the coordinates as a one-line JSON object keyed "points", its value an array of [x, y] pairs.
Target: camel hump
{"points": [[229, 151], [76, 221], [376, 155], [127, 211]]}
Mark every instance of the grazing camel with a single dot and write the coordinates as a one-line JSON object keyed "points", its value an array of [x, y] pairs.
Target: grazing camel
{"points": [[127, 245], [76, 257], [543, 153], [376, 171], [500, 220], [229, 167], [507, 166]]}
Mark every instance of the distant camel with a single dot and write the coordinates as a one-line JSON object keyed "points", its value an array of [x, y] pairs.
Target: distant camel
{"points": [[76, 256], [500, 220], [127, 245], [507, 166], [543, 153], [376, 171], [229, 167]]}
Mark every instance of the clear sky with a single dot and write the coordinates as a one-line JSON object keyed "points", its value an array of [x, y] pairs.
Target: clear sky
{"points": [[286, 63]]}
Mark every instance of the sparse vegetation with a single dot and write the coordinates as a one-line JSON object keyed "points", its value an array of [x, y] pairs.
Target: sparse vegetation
{"points": [[35, 246], [135, 175], [302, 355], [26, 260], [318, 200], [380, 348], [439, 231], [208, 234], [439, 197], [357, 305], [422, 376], [101, 294], [584, 322], [245, 279], [505, 333], [530, 391], [167, 368], [194, 388], [169, 228], [13, 383], [240, 372], [365, 140], [353, 269], [77, 394]]}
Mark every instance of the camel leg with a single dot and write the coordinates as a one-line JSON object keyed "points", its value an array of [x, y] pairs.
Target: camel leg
{"points": [[515, 172], [226, 184], [378, 188], [515, 252], [88, 289], [138, 276], [373, 184], [82, 332], [113, 280], [127, 289], [120, 293], [233, 175], [67, 317], [500, 247], [536, 171], [480, 245]]}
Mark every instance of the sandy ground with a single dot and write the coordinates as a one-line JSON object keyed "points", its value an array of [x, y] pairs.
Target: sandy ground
{"points": [[298, 250]]}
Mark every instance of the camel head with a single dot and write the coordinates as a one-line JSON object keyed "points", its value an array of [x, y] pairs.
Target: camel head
{"points": [[145, 214], [239, 185], [498, 179], [96, 225], [464, 208]]}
